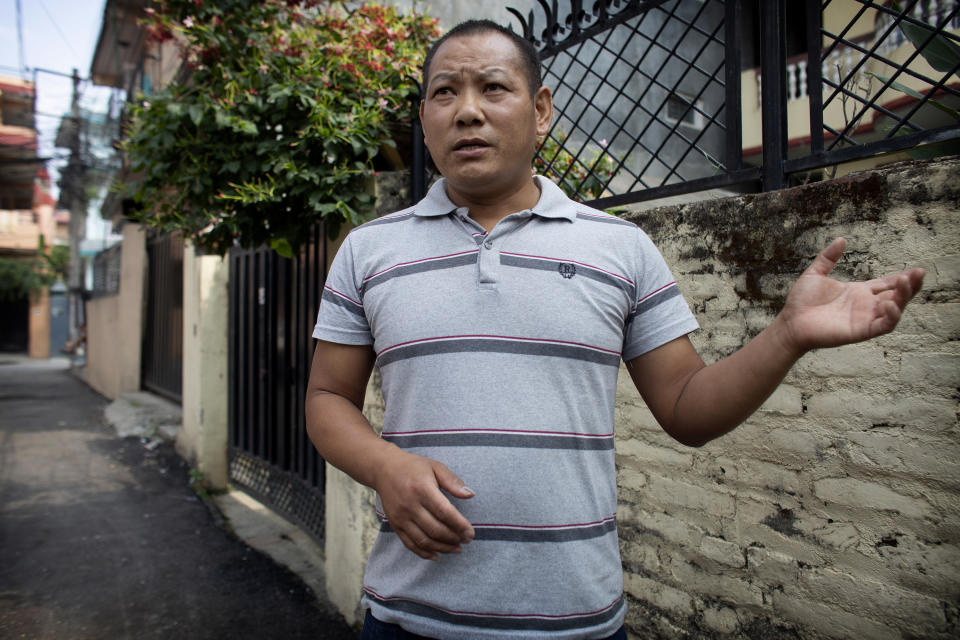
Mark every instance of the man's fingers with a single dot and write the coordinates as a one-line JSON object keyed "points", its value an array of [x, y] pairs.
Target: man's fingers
{"points": [[443, 510], [438, 530], [424, 540], [888, 315], [826, 260], [899, 287], [412, 546], [450, 483]]}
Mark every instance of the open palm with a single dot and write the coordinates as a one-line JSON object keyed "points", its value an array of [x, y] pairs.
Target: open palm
{"points": [[823, 312]]}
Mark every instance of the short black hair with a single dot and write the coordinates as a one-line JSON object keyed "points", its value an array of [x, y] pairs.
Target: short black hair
{"points": [[529, 57]]}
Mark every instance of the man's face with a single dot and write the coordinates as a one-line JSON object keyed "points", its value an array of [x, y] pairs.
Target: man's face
{"points": [[479, 120]]}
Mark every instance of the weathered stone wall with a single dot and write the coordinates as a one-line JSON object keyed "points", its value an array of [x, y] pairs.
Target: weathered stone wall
{"points": [[833, 511]]}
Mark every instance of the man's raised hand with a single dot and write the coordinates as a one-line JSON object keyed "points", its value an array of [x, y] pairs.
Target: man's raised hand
{"points": [[823, 312]]}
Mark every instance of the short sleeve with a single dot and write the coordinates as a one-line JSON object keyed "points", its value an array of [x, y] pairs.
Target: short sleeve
{"points": [[660, 313], [341, 317]]}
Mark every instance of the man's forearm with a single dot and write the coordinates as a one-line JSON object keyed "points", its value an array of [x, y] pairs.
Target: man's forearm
{"points": [[344, 437], [719, 397]]}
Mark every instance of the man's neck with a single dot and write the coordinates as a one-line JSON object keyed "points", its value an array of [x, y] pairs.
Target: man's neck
{"points": [[487, 210]]}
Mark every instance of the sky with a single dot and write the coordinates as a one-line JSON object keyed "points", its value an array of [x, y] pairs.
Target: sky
{"points": [[58, 35]]}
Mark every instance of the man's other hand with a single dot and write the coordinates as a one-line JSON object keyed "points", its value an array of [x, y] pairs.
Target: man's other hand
{"points": [[823, 312], [411, 491]]}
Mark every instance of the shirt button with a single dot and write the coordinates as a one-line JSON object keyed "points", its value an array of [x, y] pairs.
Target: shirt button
{"points": [[488, 244]]}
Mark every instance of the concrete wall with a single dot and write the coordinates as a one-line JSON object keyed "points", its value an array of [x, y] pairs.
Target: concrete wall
{"points": [[203, 439], [350, 524], [39, 324], [115, 323], [833, 511]]}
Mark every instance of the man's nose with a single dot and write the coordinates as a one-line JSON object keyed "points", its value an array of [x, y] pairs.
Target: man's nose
{"points": [[469, 111]]}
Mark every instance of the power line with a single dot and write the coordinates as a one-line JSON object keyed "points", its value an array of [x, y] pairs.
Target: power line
{"points": [[56, 26]]}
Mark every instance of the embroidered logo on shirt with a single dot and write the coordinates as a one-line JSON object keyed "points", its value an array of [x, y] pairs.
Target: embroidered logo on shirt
{"points": [[567, 270]]}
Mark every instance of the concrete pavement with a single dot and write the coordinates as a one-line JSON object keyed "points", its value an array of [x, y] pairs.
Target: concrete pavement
{"points": [[102, 537]]}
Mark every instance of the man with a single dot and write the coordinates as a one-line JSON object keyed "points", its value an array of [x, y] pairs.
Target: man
{"points": [[497, 311]]}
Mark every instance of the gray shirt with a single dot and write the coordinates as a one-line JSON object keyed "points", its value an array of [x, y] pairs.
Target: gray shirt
{"points": [[499, 355]]}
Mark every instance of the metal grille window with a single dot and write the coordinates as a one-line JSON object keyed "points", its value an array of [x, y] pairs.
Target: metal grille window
{"points": [[106, 271], [681, 108], [642, 91]]}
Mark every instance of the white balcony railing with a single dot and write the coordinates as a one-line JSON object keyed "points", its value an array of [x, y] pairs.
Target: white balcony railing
{"points": [[842, 59]]}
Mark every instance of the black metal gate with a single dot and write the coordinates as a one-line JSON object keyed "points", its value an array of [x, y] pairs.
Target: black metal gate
{"points": [[647, 93], [273, 306], [162, 365]]}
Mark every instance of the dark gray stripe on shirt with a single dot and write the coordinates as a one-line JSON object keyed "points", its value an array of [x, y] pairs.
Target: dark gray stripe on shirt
{"points": [[555, 267], [500, 439], [653, 301], [421, 267], [610, 220], [503, 622], [465, 345], [531, 534], [352, 307]]}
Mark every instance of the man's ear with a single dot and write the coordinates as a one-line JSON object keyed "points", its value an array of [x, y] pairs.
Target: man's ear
{"points": [[421, 121], [543, 107]]}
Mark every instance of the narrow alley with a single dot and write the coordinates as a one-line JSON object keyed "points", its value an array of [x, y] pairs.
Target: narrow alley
{"points": [[101, 537]]}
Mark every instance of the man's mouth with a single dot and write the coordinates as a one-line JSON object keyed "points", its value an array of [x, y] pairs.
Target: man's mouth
{"points": [[470, 145]]}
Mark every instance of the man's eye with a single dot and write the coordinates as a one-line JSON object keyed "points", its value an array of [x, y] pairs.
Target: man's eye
{"points": [[442, 91], [494, 86]]}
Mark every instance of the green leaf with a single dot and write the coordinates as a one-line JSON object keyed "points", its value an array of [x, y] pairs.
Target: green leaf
{"points": [[196, 113], [282, 246], [247, 127], [930, 151], [941, 52], [915, 94]]}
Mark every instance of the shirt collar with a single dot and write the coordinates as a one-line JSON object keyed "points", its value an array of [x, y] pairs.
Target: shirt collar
{"points": [[553, 202]]}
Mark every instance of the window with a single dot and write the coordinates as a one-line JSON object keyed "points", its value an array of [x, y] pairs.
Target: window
{"points": [[679, 109]]}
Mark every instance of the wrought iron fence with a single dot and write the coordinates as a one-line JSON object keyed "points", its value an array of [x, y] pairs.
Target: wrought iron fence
{"points": [[273, 302], [106, 271], [897, 86], [653, 98], [162, 362]]}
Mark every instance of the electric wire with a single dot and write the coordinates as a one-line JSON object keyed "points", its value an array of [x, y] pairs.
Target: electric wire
{"points": [[57, 27]]}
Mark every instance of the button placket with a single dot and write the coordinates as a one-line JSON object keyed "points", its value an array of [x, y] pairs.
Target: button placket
{"points": [[489, 262]]}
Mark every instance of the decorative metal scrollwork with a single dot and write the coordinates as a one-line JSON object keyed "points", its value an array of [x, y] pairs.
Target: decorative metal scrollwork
{"points": [[575, 24]]}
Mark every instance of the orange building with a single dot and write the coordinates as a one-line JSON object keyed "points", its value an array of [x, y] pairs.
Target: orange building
{"points": [[27, 215]]}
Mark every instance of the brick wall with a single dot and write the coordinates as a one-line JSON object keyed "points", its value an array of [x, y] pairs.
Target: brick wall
{"points": [[833, 511]]}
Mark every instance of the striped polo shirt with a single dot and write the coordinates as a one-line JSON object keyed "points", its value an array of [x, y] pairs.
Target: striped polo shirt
{"points": [[499, 355]]}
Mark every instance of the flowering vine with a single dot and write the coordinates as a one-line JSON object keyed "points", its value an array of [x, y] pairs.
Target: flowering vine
{"points": [[583, 176], [289, 106]]}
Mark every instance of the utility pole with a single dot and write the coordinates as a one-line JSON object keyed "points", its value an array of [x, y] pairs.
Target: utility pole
{"points": [[72, 184]]}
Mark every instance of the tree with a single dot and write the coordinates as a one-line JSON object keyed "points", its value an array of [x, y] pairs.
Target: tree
{"points": [[20, 278], [290, 106]]}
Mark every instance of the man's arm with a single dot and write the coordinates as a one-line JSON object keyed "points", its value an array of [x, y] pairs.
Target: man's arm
{"points": [[696, 403], [409, 485]]}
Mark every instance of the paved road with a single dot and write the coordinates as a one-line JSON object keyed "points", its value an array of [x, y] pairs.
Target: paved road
{"points": [[103, 538]]}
